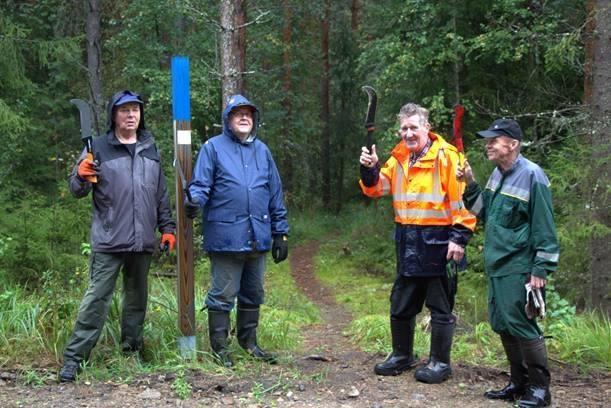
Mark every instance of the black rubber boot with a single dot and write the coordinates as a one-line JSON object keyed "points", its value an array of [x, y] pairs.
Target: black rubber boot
{"points": [[535, 357], [438, 368], [218, 328], [402, 356], [518, 377], [247, 323]]}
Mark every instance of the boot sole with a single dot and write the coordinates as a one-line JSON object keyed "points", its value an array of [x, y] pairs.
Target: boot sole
{"points": [[513, 397], [429, 380], [396, 371]]}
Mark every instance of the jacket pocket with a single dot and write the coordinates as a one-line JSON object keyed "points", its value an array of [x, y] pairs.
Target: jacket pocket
{"points": [[509, 214], [151, 169], [435, 249]]}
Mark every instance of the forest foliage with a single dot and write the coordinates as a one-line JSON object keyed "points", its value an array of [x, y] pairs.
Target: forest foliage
{"points": [[515, 58]]}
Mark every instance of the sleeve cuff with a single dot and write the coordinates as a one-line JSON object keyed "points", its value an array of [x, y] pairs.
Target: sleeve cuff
{"points": [[472, 186], [539, 273], [370, 175]]}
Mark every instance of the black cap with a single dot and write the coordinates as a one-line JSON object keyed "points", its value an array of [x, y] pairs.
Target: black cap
{"points": [[503, 127]]}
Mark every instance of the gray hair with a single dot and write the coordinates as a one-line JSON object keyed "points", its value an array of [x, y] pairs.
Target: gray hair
{"points": [[411, 109]]}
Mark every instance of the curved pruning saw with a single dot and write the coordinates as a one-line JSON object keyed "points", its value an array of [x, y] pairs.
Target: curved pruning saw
{"points": [[86, 133], [371, 114]]}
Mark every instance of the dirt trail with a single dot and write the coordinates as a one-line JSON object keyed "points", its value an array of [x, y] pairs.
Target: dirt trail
{"points": [[351, 370], [333, 372]]}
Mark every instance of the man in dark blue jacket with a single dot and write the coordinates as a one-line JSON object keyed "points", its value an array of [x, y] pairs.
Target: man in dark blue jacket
{"points": [[237, 185]]}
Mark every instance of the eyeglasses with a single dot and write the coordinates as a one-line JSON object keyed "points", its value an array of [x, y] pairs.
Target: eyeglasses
{"points": [[241, 114]]}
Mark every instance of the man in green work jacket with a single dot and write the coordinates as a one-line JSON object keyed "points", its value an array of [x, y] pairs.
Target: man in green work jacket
{"points": [[520, 247]]}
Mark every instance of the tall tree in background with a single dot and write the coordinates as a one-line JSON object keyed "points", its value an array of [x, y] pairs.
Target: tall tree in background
{"points": [[287, 130], [233, 47], [347, 118], [597, 96], [325, 114], [94, 61]]}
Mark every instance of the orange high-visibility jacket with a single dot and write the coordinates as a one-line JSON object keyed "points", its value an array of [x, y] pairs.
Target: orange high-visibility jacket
{"points": [[428, 193]]}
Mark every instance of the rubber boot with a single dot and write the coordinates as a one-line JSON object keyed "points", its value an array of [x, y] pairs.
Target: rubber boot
{"points": [[402, 356], [438, 368], [218, 328], [247, 323], [535, 357], [518, 373]]}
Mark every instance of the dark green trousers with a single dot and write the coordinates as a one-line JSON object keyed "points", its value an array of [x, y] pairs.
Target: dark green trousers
{"points": [[506, 301], [104, 269]]}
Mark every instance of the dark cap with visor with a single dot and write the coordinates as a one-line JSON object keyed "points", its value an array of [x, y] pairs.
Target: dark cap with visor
{"points": [[128, 97], [503, 127]]}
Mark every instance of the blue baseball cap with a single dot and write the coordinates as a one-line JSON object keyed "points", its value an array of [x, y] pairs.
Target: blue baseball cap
{"points": [[128, 97]]}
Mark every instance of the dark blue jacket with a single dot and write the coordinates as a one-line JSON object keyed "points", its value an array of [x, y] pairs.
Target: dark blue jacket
{"points": [[239, 189]]}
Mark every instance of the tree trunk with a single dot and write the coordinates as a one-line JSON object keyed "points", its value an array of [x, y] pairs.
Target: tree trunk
{"points": [[233, 47], [287, 129], [325, 115], [94, 62], [597, 96], [354, 16]]}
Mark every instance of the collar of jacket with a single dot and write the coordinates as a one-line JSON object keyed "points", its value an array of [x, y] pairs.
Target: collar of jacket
{"points": [[144, 138], [514, 166], [251, 138], [401, 152]]}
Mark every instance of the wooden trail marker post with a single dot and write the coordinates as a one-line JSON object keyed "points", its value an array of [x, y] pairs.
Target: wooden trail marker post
{"points": [[181, 112]]}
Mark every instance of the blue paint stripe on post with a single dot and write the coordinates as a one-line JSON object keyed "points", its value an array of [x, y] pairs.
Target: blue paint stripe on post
{"points": [[181, 103]]}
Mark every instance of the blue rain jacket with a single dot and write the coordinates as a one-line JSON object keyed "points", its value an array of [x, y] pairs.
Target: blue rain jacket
{"points": [[239, 189]]}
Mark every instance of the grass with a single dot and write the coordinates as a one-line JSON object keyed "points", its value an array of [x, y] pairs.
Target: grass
{"points": [[585, 341], [31, 331], [356, 260]]}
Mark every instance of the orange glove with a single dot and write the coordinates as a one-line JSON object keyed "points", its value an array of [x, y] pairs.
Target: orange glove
{"points": [[88, 170], [168, 241]]}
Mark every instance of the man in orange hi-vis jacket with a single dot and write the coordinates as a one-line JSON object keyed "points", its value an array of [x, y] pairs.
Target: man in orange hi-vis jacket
{"points": [[432, 229]]}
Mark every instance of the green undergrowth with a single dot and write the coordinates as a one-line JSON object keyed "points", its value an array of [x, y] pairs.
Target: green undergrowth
{"points": [[34, 334]]}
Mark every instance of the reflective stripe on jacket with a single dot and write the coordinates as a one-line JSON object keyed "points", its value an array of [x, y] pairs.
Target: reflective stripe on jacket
{"points": [[428, 193]]}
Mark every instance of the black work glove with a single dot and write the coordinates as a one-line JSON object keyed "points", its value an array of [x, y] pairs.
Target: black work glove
{"points": [[280, 248], [191, 209]]}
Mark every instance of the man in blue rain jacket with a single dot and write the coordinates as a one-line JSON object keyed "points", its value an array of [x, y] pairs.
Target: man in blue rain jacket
{"points": [[237, 185]]}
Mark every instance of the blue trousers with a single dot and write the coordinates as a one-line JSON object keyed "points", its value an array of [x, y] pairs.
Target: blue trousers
{"points": [[236, 274]]}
